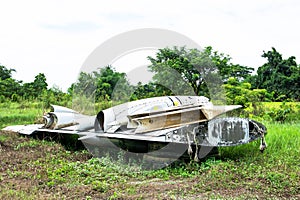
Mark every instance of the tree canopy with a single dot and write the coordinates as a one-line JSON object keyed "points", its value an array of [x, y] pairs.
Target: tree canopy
{"points": [[195, 72], [9, 87], [14, 90], [278, 76], [103, 84], [177, 71]]}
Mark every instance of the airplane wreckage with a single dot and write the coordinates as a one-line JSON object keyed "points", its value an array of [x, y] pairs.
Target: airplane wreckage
{"points": [[169, 125]]}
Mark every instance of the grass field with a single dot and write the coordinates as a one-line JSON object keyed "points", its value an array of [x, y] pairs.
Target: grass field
{"points": [[12, 113], [35, 169]]}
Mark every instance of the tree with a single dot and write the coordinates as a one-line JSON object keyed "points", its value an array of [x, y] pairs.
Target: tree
{"points": [[241, 93], [142, 91], [278, 76], [9, 87], [175, 71], [103, 84], [56, 96], [194, 72], [226, 68], [36, 88], [39, 84], [111, 84], [5, 73], [85, 85]]}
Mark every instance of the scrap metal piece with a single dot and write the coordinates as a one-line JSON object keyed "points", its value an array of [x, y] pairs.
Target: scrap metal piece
{"points": [[169, 119], [24, 129], [212, 111], [188, 121], [228, 131], [62, 117], [177, 116]]}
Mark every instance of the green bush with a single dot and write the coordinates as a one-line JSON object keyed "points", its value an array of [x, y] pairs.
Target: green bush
{"points": [[284, 113]]}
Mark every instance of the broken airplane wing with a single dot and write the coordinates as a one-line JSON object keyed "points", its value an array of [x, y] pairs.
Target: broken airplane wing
{"points": [[190, 120]]}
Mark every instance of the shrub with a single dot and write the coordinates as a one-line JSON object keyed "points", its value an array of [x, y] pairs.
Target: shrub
{"points": [[284, 113]]}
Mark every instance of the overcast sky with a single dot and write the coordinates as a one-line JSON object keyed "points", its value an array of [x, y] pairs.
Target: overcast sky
{"points": [[55, 37]]}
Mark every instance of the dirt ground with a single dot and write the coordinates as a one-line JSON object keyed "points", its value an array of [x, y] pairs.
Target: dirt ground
{"points": [[19, 179]]}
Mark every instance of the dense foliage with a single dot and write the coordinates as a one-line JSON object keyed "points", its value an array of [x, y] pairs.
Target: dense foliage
{"points": [[17, 91], [280, 77], [177, 71], [191, 71]]}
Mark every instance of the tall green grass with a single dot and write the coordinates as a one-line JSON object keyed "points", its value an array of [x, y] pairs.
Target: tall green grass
{"points": [[12, 113]]}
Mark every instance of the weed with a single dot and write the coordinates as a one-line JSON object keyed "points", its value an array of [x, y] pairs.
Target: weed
{"points": [[3, 138], [100, 186], [30, 144]]}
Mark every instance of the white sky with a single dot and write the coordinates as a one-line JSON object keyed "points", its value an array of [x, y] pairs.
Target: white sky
{"points": [[55, 37]]}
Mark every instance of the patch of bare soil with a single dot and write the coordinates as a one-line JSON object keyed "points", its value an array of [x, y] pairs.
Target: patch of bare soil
{"points": [[19, 179]]}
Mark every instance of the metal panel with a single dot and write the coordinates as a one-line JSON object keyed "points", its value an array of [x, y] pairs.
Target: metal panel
{"points": [[228, 131]]}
